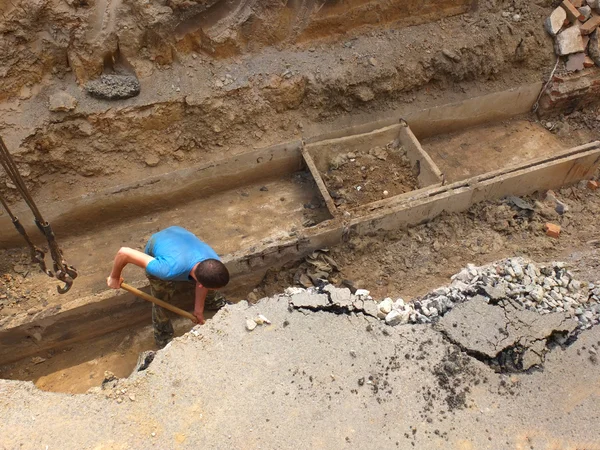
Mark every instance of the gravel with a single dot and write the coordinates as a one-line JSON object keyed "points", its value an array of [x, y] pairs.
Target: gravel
{"points": [[540, 288]]}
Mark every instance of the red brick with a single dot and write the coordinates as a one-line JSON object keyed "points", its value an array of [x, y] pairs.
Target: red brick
{"points": [[552, 230], [590, 25], [587, 62], [573, 13], [592, 184]]}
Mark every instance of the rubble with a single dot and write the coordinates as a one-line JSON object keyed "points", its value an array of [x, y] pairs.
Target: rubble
{"points": [[573, 40], [521, 283], [594, 47], [569, 41], [555, 21]]}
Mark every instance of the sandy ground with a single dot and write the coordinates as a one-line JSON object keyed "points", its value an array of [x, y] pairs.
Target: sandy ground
{"points": [[316, 380]]}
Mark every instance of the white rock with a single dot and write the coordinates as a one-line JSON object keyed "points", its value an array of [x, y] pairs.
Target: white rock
{"points": [[586, 11], [537, 294], [569, 41], [556, 20], [385, 306], [396, 317], [517, 268], [362, 293], [294, 290], [250, 324], [399, 304]]}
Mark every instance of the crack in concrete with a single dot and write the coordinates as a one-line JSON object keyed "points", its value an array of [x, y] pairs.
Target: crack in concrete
{"points": [[500, 363]]}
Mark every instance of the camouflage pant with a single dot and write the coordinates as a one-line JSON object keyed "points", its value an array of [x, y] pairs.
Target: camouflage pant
{"points": [[165, 291]]}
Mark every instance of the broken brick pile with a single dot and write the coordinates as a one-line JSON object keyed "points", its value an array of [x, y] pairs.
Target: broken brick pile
{"points": [[574, 26], [543, 289]]}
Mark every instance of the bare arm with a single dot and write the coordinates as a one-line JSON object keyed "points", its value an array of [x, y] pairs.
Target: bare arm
{"points": [[126, 256], [201, 293]]}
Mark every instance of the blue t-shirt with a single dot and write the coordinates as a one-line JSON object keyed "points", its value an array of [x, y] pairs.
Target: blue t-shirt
{"points": [[176, 251]]}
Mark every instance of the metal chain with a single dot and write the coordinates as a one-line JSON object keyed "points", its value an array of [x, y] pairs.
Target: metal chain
{"points": [[62, 270]]}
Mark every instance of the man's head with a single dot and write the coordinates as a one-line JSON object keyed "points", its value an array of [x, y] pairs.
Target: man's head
{"points": [[212, 274]]}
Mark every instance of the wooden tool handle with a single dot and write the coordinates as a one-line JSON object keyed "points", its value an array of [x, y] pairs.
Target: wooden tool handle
{"points": [[158, 302]]}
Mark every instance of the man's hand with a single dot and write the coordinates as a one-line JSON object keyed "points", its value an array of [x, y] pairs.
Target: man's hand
{"points": [[199, 317], [114, 283]]}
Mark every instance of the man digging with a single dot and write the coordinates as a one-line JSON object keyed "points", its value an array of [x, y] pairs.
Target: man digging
{"points": [[171, 256]]}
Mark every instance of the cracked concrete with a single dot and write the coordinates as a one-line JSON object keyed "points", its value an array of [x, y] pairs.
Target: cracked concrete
{"points": [[509, 337], [332, 299], [317, 380]]}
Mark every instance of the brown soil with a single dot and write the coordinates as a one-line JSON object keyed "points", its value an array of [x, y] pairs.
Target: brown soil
{"points": [[194, 108], [362, 177], [409, 263]]}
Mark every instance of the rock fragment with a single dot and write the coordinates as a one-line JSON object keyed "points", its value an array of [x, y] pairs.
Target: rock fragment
{"points": [[385, 307], [575, 62], [62, 102], [250, 324], [152, 160], [555, 21], [594, 47], [569, 41], [585, 11], [310, 301]]}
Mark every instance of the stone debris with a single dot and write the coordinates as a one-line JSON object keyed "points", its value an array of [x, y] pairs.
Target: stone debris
{"points": [[113, 87], [333, 299], [570, 24], [594, 47], [569, 41], [62, 102], [590, 25], [540, 289], [555, 21], [585, 11], [250, 324], [575, 62]]}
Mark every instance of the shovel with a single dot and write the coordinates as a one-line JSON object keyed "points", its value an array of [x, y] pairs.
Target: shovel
{"points": [[158, 302]]}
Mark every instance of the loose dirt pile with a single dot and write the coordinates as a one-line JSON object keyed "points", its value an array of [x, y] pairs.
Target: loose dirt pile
{"points": [[358, 178]]}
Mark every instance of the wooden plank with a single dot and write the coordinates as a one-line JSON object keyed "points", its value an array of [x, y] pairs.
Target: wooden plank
{"points": [[320, 183]]}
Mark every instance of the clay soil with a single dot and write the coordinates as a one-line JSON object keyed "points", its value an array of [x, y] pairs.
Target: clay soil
{"points": [[361, 177]]}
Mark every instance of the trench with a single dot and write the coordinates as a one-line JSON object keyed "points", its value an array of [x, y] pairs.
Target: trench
{"points": [[271, 206]]}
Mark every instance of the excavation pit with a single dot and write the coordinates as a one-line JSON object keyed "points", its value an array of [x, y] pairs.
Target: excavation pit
{"points": [[266, 207]]}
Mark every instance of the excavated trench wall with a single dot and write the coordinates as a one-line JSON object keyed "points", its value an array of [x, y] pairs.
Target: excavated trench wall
{"points": [[86, 317]]}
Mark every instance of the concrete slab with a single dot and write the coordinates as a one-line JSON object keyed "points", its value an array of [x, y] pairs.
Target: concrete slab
{"points": [[315, 380]]}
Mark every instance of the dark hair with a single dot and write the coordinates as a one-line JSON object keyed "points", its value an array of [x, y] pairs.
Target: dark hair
{"points": [[212, 274]]}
